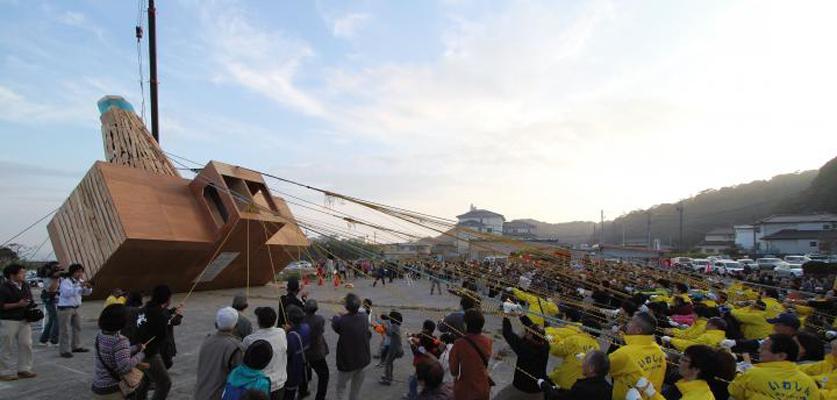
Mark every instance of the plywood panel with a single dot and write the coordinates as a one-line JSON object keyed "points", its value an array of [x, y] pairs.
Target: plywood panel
{"points": [[155, 207], [127, 142]]}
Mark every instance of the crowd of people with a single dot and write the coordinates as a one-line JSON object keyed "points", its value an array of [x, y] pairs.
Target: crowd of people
{"points": [[616, 331]]}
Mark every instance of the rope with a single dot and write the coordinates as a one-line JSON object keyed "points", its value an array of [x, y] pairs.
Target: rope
{"points": [[28, 227]]}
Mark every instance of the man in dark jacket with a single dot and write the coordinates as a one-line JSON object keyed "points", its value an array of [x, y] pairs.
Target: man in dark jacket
{"points": [[593, 386], [532, 355], [317, 351], [353, 353], [15, 330], [299, 340], [152, 327], [292, 298]]}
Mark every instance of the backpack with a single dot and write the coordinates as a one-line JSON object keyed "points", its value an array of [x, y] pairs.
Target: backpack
{"points": [[232, 392]]}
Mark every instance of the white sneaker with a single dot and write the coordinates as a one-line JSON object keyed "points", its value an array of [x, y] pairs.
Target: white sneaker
{"points": [[47, 344]]}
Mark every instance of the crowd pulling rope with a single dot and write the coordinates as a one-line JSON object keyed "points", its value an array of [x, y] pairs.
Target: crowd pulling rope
{"points": [[552, 265]]}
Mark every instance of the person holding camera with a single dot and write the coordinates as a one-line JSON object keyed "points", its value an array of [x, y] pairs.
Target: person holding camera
{"points": [[49, 295], [15, 330], [70, 290]]}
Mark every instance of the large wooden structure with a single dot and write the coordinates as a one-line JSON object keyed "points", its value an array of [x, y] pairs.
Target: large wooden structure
{"points": [[133, 222]]}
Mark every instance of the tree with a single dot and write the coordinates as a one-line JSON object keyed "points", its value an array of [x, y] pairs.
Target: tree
{"points": [[10, 253]]}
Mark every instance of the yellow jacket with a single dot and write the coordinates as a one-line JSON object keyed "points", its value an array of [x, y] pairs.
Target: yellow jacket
{"points": [[560, 333], [709, 303], [569, 371], [774, 380], [537, 306], [691, 332], [737, 292], [115, 300], [711, 337], [774, 308], [683, 296], [640, 356], [697, 389], [825, 373], [754, 324]]}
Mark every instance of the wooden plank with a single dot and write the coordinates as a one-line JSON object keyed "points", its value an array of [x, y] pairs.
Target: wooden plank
{"points": [[110, 206], [88, 216], [72, 244], [96, 199], [79, 233]]}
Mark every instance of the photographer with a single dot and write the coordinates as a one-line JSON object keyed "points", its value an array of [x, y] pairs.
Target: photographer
{"points": [[15, 330], [51, 274], [70, 290]]}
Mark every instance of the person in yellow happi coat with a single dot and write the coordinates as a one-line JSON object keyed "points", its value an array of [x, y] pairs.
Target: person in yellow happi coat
{"points": [[776, 376], [640, 359], [713, 335], [538, 306], [825, 373], [753, 321], [569, 348], [696, 368]]}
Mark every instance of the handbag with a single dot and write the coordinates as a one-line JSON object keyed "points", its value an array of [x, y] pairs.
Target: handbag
{"points": [[33, 313], [483, 358], [129, 382]]}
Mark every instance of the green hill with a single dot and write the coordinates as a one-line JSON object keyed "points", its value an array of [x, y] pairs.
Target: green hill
{"points": [[807, 191]]}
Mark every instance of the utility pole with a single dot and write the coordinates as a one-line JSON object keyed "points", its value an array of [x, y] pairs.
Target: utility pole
{"points": [[648, 228], [623, 232], [152, 60], [601, 231], [680, 244]]}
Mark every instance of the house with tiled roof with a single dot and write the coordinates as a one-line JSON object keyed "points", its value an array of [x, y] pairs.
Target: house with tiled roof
{"points": [[480, 220]]}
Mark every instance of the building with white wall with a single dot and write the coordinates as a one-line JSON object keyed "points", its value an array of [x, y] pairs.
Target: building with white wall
{"points": [[797, 234], [482, 221]]}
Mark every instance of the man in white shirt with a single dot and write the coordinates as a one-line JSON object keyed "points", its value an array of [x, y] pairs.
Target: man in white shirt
{"points": [[277, 369], [70, 290]]}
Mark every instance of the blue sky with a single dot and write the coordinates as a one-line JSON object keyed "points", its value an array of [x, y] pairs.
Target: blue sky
{"points": [[550, 110]]}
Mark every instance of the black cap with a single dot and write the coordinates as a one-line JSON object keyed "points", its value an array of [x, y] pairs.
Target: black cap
{"points": [[258, 354], [787, 319]]}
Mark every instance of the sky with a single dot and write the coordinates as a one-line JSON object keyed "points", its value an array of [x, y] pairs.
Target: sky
{"points": [[547, 110]]}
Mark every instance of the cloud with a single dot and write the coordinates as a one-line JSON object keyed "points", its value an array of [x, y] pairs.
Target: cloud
{"points": [[17, 108], [77, 20], [560, 100], [346, 26], [262, 60]]}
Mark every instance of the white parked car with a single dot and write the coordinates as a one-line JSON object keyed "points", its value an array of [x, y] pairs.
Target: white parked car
{"points": [[768, 263], [797, 260], [786, 269], [681, 261], [699, 264], [299, 265], [728, 267]]}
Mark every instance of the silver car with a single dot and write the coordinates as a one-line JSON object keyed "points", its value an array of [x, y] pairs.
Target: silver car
{"points": [[768, 263]]}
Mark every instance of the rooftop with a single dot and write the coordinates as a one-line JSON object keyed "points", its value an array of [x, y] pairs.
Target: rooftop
{"points": [[790, 218], [790, 234], [480, 213], [720, 231]]}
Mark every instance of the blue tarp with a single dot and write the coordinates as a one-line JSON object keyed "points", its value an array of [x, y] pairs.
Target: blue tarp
{"points": [[114, 101]]}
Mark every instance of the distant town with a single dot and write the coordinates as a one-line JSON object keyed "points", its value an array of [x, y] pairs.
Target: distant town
{"points": [[479, 233]]}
